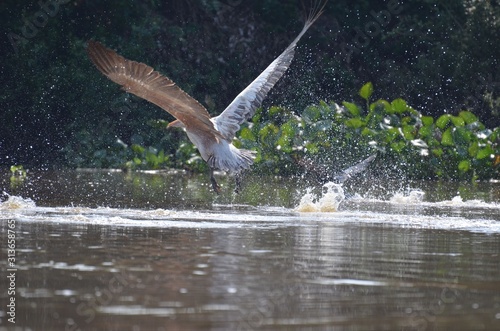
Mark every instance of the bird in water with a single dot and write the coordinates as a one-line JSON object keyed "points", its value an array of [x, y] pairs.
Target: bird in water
{"points": [[212, 136]]}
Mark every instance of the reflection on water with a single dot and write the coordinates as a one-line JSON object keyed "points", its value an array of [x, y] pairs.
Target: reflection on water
{"points": [[113, 251]]}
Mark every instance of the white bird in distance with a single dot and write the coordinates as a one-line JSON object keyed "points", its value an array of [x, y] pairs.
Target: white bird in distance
{"points": [[212, 136]]}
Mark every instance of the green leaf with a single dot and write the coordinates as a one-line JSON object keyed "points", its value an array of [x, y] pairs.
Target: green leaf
{"points": [[425, 131], [257, 116], [484, 153], [380, 104], [366, 91], [461, 136], [137, 149], [268, 129], [447, 139], [151, 159], [354, 123], [368, 132], [407, 120], [312, 148], [323, 104], [473, 149], [443, 121], [398, 146], [274, 110], [247, 134], [18, 171], [408, 131], [284, 143], [399, 106], [427, 120], [352, 107], [311, 114], [457, 121], [464, 165], [391, 134], [468, 117], [288, 129], [495, 135], [161, 156], [16, 168], [437, 151], [285, 140]]}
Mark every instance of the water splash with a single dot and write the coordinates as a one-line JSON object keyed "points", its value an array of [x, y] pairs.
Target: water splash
{"points": [[15, 202], [469, 215], [332, 197], [413, 197], [458, 201]]}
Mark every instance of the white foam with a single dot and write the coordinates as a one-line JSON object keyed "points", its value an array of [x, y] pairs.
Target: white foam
{"points": [[413, 197], [416, 198], [469, 215], [332, 197], [347, 281], [14, 202]]}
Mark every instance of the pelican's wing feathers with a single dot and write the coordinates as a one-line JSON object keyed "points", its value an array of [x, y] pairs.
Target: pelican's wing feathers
{"points": [[143, 81], [244, 105]]}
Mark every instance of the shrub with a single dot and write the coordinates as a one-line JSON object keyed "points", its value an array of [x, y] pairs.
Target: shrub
{"points": [[422, 147]]}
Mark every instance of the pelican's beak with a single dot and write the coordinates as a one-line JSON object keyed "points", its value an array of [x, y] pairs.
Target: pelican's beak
{"points": [[176, 124]]}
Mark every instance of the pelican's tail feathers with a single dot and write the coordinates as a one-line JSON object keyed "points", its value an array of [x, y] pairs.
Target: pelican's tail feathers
{"points": [[234, 162], [245, 157]]}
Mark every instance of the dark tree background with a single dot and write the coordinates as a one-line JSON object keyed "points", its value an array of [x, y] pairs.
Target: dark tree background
{"points": [[57, 110]]}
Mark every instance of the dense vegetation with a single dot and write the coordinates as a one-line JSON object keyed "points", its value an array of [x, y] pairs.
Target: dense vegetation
{"points": [[440, 57], [421, 147]]}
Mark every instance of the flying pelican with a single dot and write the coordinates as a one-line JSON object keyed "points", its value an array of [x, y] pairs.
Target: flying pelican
{"points": [[212, 136]]}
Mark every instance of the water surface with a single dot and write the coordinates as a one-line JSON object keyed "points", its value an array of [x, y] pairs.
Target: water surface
{"points": [[116, 251]]}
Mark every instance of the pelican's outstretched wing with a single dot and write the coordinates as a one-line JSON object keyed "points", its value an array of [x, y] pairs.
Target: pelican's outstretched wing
{"points": [[141, 80], [244, 105]]}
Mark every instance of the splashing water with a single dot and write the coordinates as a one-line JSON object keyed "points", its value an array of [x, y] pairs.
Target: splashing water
{"points": [[15, 202], [331, 198], [415, 196]]}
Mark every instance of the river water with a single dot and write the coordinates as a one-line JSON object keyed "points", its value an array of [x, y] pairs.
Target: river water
{"points": [[106, 250]]}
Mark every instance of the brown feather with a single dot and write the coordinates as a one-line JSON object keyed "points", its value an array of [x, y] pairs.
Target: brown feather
{"points": [[143, 81]]}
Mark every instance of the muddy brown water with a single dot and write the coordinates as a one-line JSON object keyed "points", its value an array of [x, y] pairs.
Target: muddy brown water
{"points": [[99, 250]]}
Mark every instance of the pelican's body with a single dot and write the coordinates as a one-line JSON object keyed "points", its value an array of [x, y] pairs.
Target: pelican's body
{"points": [[222, 154], [212, 136]]}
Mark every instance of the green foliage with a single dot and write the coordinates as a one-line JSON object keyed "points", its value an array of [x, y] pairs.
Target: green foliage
{"points": [[18, 170], [147, 158], [366, 91], [59, 111], [18, 175], [187, 157], [451, 146]]}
